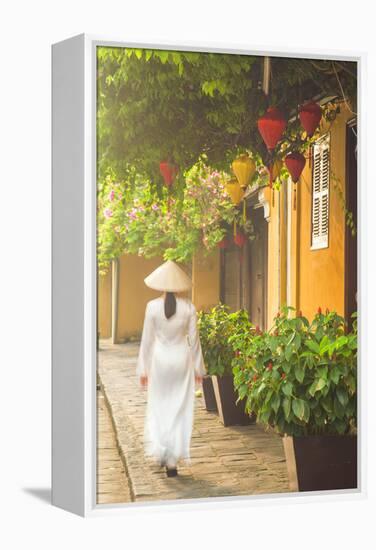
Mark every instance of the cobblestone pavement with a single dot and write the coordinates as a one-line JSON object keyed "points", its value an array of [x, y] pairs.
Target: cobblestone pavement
{"points": [[112, 480], [238, 460]]}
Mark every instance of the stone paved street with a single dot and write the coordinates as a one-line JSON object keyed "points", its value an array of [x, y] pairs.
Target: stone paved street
{"points": [[112, 480], [239, 460]]}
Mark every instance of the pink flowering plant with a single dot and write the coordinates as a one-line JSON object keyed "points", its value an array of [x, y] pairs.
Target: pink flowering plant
{"points": [[299, 377], [136, 218], [132, 219]]}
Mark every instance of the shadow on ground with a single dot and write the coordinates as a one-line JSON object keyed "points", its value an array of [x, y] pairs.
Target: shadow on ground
{"points": [[41, 493]]}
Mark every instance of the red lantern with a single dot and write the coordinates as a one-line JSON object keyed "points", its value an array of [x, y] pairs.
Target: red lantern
{"points": [[168, 172], [271, 127], [223, 243], [310, 116], [240, 239], [295, 163]]}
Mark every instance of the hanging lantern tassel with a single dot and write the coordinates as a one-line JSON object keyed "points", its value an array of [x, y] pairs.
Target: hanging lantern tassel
{"points": [[244, 211], [294, 196], [271, 175], [240, 240], [271, 181], [236, 193]]}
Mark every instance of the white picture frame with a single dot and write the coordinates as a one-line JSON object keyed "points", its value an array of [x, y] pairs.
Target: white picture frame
{"points": [[74, 279]]}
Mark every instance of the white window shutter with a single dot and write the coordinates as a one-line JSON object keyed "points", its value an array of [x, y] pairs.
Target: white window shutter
{"points": [[320, 193]]}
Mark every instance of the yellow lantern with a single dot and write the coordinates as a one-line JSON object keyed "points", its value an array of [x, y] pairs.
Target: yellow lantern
{"points": [[276, 169], [244, 169], [235, 191]]}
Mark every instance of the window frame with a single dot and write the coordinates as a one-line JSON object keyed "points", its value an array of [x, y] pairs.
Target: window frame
{"points": [[322, 241]]}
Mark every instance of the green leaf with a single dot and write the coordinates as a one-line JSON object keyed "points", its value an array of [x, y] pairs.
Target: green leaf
{"points": [[313, 346], [298, 408], [286, 407], [307, 412], [342, 395], [334, 374], [299, 373], [340, 342], [297, 341], [324, 344], [327, 403], [350, 381], [275, 402], [268, 396], [338, 409], [287, 388], [288, 352], [317, 385], [242, 390]]}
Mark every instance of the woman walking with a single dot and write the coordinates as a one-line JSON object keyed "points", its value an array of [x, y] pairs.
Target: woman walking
{"points": [[169, 362]]}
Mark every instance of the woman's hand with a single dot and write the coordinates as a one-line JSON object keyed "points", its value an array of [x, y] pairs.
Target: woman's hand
{"points": [[144, 381], [198, 379]]}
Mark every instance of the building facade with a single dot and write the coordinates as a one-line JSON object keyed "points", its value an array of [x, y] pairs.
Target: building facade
{"points": [[303, 253]]}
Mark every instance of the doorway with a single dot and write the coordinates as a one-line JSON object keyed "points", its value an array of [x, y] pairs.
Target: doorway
{"points": [[244, 276], [258, 269]]}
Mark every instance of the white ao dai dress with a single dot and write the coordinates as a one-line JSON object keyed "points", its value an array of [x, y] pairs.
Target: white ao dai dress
{"points": [[170, 356]]}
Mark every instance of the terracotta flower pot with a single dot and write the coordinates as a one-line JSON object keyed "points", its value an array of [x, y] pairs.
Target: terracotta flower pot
{"points": [[230, 412], [209, 396], [321, 463]]}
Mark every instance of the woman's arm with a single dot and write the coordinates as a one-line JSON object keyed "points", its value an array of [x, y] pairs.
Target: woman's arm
{"points": [[147, 340], [195, 344]]}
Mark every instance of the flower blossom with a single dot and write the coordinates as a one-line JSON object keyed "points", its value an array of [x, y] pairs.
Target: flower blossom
{"points": [[108, 213]]}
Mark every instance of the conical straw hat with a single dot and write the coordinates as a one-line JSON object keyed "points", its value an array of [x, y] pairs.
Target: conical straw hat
{"points": [[168, 277]]}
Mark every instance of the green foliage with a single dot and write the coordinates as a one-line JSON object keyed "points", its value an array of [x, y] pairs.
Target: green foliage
{"points": [[216, 328], [155, 104], [299, 377], [198, 110]]}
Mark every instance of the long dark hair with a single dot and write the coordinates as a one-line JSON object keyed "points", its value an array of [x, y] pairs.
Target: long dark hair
{"points": [[170, 304]]}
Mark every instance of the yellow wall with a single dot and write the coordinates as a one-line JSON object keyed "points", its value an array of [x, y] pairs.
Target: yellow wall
{"points": [[133, 293], [104, 305], [206, 280], [273, 298], [320, 273]]}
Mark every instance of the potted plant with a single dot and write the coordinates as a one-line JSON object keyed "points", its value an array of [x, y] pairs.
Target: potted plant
{"points": [[216, 328], [299, 378]]}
